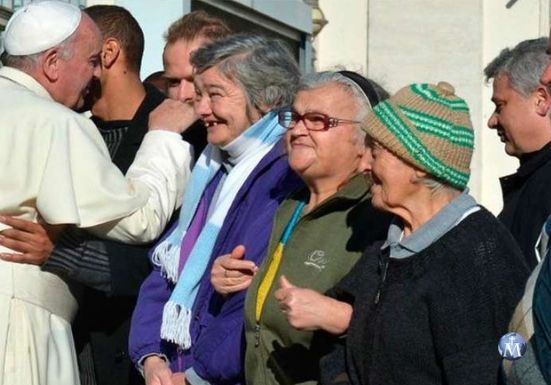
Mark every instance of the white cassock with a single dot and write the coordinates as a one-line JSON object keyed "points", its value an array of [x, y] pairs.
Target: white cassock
{"points": [[54, 165]]}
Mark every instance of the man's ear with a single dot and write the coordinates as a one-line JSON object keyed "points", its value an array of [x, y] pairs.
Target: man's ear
{"points": [[542, 100], [50, 62], [110, 52]]}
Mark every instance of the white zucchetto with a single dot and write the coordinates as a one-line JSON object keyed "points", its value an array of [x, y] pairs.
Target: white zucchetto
{"points": [[39, 26]]}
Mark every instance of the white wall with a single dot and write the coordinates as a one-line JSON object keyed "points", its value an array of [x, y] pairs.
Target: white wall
{"points": [[342, 42], [154, 17], [398, 42]]}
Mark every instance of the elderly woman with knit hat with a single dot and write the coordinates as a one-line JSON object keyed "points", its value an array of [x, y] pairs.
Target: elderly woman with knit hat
{"points": [[430, 303]]}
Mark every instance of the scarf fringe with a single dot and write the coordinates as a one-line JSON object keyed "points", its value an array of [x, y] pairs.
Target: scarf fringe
{"points": [[175, 326], [167, 257]]}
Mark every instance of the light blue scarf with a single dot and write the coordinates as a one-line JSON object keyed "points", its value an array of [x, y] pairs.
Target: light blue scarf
{"points": [[253, 145]]}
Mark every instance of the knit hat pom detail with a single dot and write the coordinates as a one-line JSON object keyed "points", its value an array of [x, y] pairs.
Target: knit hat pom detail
{"points": [[445, 89]]}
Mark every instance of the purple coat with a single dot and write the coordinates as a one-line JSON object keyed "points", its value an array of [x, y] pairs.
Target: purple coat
{"points": [[218, 345]]}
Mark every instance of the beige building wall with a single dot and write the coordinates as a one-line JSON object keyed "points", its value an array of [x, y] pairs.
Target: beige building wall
{"points": [[398, 42], [342, 42]]}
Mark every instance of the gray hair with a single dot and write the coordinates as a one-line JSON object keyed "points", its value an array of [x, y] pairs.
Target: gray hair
{"points": [[264, 67], [437, 186], [350, 87], [27, 63], [523, 65], [319, 79]]}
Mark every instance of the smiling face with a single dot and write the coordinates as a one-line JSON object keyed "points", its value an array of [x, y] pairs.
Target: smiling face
{"points": [[333, 154], [392, 178], [223, 107], [516, 119]]}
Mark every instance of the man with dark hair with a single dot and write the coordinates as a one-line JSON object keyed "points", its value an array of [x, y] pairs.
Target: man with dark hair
{"points": [[521, 120], [118, 24]]}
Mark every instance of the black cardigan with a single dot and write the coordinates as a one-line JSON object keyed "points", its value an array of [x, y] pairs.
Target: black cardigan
{"points": [[440, 313]]}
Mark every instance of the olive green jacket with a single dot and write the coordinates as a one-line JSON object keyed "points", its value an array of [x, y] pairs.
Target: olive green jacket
{"points": [[323, 247]]}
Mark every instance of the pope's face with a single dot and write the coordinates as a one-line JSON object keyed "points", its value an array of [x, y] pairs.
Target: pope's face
{"points": [[76, 71]]}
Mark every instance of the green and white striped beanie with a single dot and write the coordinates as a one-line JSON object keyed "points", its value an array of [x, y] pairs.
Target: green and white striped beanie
{"points": [[429, 127]]}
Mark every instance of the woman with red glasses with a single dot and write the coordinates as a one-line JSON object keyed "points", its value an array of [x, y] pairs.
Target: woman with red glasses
{"points": [[318, 234]]}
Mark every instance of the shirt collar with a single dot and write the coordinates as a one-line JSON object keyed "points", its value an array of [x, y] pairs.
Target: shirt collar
{"points": [[446, 219]]}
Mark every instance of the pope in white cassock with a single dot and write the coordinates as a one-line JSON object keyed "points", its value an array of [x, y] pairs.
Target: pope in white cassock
{"points": [[54, 167]]}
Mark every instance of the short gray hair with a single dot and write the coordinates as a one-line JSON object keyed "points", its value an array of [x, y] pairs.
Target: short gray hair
{"points": [[263, 66], [523, 65], [27, 63], [350, 87], [437, 186]]}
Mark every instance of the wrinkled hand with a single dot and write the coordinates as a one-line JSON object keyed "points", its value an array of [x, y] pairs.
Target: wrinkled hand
{"points": [[230, 273], [306, 309], [31, 242], [172, 115], [157, 372]]}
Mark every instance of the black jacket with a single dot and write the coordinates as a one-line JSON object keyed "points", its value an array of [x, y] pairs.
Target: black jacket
{"points": [[527, 200]]}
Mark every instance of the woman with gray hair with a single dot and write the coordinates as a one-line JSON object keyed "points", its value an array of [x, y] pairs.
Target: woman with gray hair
{"points": [[431, 302], [182, 331], [319, 231]]}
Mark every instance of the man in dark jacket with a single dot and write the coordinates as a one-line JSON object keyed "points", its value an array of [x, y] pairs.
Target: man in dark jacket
{"points": [[521, 119]]}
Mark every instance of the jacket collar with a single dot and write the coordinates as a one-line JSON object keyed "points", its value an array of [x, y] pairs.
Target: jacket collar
{"points": [[355, 190], [529, 164]]}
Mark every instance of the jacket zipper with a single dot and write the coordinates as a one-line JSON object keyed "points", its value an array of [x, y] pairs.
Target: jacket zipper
{"points": [[257, 335]]}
